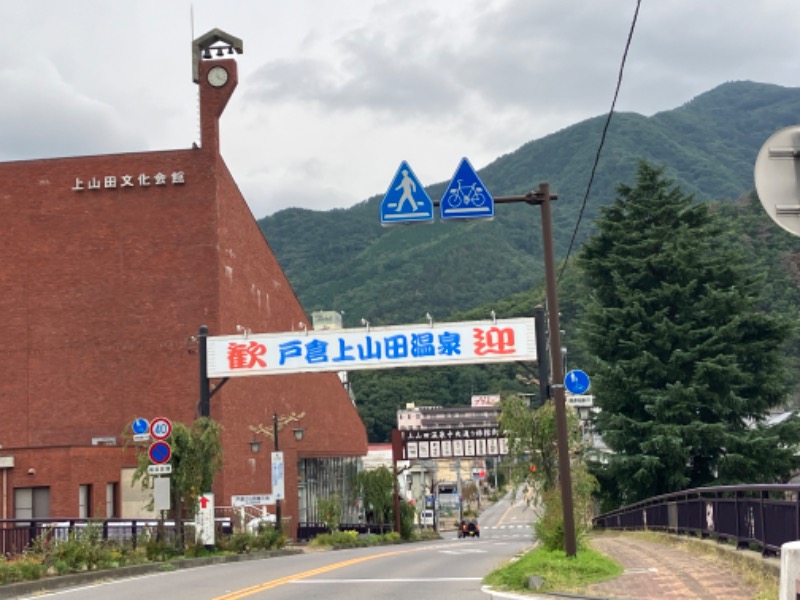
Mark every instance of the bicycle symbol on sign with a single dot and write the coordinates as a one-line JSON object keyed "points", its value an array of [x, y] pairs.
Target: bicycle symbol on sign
{"points": [[471, 195]]}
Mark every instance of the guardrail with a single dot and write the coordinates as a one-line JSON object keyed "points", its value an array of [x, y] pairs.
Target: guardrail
{"points": [[762, 516]]}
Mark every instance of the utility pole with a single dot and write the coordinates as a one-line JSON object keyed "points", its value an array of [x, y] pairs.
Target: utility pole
{"points": [[559, 396]]}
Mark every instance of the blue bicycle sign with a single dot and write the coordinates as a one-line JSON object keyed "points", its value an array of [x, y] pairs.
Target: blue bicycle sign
{"points": [[471, 195], [466, 197]]}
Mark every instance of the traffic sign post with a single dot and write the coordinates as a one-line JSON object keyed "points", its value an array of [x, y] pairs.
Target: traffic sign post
{"points": [[467, 186], [406, 201]]}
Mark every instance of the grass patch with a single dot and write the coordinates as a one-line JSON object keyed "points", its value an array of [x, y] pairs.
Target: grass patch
{"points": [[559, 572]]}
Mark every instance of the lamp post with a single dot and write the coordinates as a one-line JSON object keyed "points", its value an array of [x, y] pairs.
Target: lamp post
{"points": [[278, 423]]}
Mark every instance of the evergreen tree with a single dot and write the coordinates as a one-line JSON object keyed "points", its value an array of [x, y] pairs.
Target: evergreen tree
{"points": [[686, 366]]}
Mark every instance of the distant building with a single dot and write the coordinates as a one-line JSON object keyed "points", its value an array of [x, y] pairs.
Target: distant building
{"points": [[442, 479], [452, 417]]}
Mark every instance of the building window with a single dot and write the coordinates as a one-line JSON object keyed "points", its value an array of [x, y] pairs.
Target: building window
{"points": [[32, 503], [111, 500], [84, 501]]}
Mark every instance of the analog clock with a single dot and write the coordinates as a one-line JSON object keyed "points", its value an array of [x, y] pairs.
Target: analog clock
{"points": [[217, 76]]}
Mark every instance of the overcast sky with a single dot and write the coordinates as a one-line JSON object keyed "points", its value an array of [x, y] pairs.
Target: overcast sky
{"points": [[334, 94]]}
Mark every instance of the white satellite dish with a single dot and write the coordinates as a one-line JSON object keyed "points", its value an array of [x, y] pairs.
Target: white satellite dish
{"points": [[777, 176]]}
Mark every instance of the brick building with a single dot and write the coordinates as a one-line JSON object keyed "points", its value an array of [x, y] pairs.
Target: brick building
{"points": [[108, 267]]}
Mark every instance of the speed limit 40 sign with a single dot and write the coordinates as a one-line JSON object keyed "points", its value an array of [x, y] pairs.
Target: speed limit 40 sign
{"points": [[160, 428]]}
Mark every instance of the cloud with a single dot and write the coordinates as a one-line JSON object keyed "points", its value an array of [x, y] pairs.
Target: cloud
{"points": [[36, 126], [333, 95]]}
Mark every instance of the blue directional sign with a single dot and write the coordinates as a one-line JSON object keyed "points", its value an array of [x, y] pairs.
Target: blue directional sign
{"points": [[406, 201], [140, 426], [466, 197], [576, 382]]}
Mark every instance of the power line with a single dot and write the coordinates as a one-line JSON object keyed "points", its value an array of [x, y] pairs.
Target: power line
{"points": [[602, 138]]}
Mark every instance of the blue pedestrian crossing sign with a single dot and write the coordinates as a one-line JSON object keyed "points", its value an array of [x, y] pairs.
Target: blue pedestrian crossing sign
{"points": [[466, 197], [406, 201]]}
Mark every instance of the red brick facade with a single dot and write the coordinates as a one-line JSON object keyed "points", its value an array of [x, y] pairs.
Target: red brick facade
{"points": [[101, 294]]}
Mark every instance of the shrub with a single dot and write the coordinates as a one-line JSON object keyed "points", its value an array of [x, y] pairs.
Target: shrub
{"points": [[407, 518], [240, 542], [26, 568], [269, 538], [392, 537], [337, 538], [160, 550], [330, 511]]}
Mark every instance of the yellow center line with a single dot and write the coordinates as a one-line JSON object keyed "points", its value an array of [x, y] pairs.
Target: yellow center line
{"points": [[508, 510], [268, 585]]}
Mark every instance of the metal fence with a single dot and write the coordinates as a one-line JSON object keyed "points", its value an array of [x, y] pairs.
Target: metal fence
{"points": [[761, 517], [16, 535], [307, 531]]}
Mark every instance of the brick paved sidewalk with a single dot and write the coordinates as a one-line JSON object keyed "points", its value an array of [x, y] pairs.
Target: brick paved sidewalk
{"points": [[665, 571]]}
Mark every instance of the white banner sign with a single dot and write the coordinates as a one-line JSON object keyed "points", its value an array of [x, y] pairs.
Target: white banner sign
{"points": [[372, 348], [278, 488], [474, 442]]}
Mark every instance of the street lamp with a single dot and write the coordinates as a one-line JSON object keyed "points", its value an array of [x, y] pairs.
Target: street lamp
{"points": [[278, 423]]}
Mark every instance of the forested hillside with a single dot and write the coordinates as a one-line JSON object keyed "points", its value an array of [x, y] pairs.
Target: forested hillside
{"points": [[344, 260]]}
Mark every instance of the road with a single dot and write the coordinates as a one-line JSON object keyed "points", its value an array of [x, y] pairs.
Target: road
{"points": [[446, 569]]}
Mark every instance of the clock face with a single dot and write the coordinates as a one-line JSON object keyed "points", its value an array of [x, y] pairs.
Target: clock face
{"points": [[217, 76]]}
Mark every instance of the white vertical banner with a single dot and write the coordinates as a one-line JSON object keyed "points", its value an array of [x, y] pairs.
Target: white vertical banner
{"points": [[204, 520], [278, 487]]}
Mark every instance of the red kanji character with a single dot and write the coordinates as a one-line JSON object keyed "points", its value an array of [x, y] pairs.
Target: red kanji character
{"points": [[494, 341], [241, 356]]}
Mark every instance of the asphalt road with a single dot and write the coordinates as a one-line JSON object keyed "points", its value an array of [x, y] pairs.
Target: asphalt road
{"points": [[447, 569]]}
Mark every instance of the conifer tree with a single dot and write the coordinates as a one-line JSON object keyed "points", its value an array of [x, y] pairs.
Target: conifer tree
{"points": [[686, 367]]}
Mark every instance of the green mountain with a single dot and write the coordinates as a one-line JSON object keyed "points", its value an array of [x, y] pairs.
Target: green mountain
{"points": [[344, 260]]}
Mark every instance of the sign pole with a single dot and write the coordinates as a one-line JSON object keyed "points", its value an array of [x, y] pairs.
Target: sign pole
{"points": [[564, 476], [397, 454], [204, 405]]}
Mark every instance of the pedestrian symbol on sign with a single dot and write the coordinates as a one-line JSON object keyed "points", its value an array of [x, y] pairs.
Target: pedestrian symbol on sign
{"points": [[406, 200]]}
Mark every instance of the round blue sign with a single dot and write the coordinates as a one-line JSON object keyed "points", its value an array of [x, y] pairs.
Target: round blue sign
{"points": [[141, 426], [160, 452], [576, 382]]}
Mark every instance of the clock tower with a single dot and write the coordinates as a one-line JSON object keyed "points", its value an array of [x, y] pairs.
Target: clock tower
{"points": [[217, 77]]}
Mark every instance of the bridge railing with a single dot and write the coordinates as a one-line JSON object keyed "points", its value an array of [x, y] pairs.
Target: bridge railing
{"points": [[761, 516]]}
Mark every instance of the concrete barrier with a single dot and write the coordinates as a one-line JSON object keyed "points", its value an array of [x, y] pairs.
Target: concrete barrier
{"points": [[790, 571]]}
